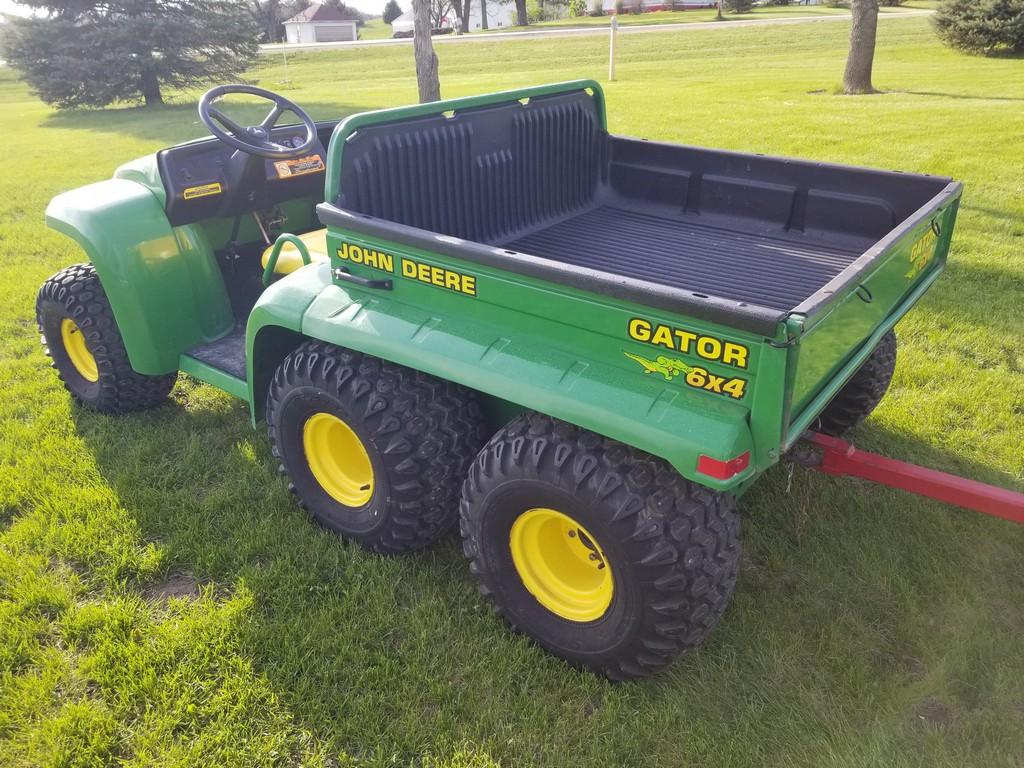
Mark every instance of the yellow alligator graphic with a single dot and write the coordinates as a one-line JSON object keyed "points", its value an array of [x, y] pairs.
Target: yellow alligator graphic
{"points": [[669, 367]]}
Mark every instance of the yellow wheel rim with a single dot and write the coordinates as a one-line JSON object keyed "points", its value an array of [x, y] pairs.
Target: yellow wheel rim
{"points": [[78, 352], [561, 564], [338, 459]]}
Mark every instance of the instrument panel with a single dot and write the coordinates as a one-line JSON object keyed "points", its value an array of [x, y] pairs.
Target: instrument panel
{"points": [[206, 179]]}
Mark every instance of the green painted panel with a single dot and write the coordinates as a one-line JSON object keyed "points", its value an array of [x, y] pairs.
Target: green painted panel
{"points": [[214, 376], [826, 348], [163, 282], [528, 343]]}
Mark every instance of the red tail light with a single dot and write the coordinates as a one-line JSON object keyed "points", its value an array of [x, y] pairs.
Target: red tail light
{"points": [[723, 470]]}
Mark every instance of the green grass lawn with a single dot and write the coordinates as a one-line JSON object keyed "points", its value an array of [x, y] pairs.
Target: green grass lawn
{"points": [[163, 601], [707, 14], [374, 29]]}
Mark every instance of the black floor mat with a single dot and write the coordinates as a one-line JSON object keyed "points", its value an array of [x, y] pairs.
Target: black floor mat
{"points": [[225, 354], [777, 272]]}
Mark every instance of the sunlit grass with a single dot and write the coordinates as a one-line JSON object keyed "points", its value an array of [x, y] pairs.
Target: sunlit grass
{"points": [[163, 602]]}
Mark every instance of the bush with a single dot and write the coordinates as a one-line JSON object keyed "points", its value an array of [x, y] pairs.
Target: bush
{"points": [[597, 8], [739, 6], [982, 26], [777, 2], [547, 11], [577, 8], [890, 3]]}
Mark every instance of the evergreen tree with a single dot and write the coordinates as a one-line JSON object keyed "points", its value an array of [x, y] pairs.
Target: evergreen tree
{"points": [[391, 11], [90, 53], [991, 27]]}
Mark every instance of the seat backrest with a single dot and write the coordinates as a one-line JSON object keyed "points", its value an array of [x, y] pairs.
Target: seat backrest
{"points": [[479, 174]]}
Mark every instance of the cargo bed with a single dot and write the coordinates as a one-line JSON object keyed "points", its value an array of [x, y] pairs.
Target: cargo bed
{"points": [[776, 271], [540, 188]]}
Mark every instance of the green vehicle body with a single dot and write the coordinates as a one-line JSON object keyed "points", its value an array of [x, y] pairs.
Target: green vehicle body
{"points": [[573, 354]]}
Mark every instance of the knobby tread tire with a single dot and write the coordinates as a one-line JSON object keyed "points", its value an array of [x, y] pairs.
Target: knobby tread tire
{"points": [[75, 292], [681, 540], [422, 434], [863, 392]]}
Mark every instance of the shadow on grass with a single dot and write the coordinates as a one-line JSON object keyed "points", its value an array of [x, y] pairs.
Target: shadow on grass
{"points": [[401, 654], [174, 123], [967, 96]]}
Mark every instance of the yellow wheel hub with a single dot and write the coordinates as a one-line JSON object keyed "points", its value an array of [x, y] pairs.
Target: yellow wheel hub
{"points": [[78, 352], [561, 564], [338, 459]]}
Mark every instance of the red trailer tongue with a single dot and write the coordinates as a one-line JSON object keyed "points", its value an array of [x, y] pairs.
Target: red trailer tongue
{"points": [[836, 457]]}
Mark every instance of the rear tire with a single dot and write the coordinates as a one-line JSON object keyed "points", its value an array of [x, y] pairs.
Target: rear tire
{"points": [[80, 335], [863, 392], [374, 451], [665, 551]]}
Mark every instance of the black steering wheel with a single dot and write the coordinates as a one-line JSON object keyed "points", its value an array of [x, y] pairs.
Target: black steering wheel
{"points": [[255, 139]]}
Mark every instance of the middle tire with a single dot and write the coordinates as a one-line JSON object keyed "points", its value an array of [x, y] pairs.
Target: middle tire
{"points": [[604, 554], [374, 451]]}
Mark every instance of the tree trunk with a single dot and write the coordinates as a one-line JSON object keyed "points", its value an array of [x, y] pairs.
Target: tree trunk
{"points": [[150, 88], [483, 14], [423, 49], [857, 77], [462, 9], [522, 19]]}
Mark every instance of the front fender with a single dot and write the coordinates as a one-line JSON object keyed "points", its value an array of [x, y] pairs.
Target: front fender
{"points": [[506, 363], [163, 282]]}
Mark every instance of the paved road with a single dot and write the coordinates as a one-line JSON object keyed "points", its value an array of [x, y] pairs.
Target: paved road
{"points": [[627, 29]]}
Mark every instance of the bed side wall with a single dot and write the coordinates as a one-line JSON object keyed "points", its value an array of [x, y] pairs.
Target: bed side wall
{"points": [[752, 192]]}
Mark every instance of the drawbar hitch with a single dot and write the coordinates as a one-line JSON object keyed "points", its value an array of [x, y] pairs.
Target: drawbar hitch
{"points": [[836, 457]]}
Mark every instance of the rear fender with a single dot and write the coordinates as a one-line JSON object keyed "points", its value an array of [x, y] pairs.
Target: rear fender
{"points": [[505, 363], [163, 282]]}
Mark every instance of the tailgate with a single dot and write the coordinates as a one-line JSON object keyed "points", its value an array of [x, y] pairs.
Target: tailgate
{"points": [[837, 328]]}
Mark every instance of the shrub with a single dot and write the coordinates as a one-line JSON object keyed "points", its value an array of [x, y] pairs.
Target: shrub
{"points": [[577, 8], [982, 26], [739, 6], [890, 3], [777, 2], [597, 8]]}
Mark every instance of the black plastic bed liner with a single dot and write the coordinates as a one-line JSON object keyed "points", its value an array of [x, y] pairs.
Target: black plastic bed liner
{"points": [[538, 187], [775, 271]]}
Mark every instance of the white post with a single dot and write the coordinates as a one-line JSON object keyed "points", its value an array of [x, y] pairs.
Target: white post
{"points": [[611, 49]]}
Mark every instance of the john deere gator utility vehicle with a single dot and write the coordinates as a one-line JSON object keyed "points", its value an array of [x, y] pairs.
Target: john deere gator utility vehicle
{"points": [[581, 346]]}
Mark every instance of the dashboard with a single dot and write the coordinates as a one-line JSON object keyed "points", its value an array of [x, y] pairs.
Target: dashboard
{"points": [[206, 178]]}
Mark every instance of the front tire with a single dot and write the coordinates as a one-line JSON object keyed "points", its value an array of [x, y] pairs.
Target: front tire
{"points": [[605, 555], [374, 451], [80, 335]]}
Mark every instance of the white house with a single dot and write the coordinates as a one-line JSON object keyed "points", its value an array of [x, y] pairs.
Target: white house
{"points": [[498, 15], [319, 24], [660, 5]]}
